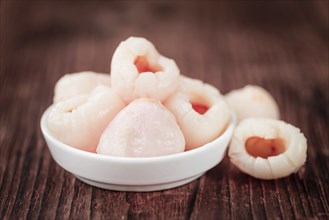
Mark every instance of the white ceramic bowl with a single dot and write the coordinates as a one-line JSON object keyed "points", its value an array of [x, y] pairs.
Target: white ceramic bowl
{"points": [[138, 174]]}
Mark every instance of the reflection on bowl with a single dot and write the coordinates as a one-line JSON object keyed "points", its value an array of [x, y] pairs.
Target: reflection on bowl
{"points": [[138, 174]]}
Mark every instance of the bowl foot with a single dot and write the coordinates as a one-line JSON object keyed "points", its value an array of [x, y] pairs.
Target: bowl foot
{"points": [[139, 188]]}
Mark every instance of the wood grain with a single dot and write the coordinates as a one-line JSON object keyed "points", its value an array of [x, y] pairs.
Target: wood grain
{"points": [[281, 46]]}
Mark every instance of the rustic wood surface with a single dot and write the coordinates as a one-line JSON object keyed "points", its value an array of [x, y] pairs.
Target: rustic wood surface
{"points": [[282, 46]]}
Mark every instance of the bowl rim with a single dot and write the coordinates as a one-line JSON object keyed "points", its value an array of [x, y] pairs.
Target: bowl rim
{"points": [[131, 160]]}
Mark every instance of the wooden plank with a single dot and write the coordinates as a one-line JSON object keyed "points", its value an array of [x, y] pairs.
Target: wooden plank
{"points": [[168, 204], [66, 197], [108, 204], [213, 196]]}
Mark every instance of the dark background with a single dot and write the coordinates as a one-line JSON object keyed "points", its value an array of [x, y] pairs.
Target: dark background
{"points": [[279, 45]]}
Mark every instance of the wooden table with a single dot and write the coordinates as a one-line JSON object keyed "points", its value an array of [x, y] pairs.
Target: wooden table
{"points": [[281, 46]]}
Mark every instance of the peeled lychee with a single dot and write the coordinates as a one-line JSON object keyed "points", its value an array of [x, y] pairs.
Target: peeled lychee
{"points": [[145, 128]]}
